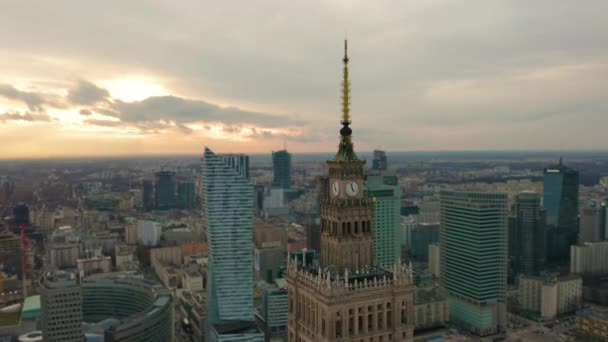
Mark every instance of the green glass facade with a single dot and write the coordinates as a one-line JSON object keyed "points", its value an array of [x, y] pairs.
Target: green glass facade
{"points": [[560, 200], [474, 258], [420, 238], [387, 221], [186, 195]]}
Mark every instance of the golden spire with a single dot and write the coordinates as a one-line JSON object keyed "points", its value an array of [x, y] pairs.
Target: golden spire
{"points": [[345, 150], [345, 87]]}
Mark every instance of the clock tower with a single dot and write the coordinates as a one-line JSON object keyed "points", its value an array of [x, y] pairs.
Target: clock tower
{"points": [[346, 215]]}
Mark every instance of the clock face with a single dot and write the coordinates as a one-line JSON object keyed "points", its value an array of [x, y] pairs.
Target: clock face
{"points": [[352, 188], [335, 188]]}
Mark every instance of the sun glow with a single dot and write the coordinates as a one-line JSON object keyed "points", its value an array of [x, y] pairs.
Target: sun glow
{"points": [[133, 88]]}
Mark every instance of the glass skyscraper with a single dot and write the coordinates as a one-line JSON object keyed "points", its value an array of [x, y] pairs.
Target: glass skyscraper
{"points": [[529, 250], [165, 190], [560, 200], [387, 220], [281, 166], [228, 219], [473, 258]]}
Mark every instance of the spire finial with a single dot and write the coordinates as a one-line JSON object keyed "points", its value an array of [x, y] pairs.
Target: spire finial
{"points": [[346, 151]]}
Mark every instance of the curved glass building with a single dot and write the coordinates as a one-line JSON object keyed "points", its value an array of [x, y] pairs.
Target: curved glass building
{"points": [[127, 309]]}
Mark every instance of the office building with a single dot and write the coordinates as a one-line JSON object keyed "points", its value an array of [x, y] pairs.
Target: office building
{"points": [[408, 224], [421, 236], [593, 222], [186, 195], [592, 325], [435, 260], [165, 190], [148, 232], [560, 200], [529, 248], [548, 296], [386, 195], [126, 309], [10, 254], [148, 194], [281, 167], [228, 218], [589, 259], [60, 300], [274, 311], [344, 297], [473, 258], [379, 162], [21, 214]]}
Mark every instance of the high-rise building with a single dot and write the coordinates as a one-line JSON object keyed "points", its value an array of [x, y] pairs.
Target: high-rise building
{"points": [[21, 213], [560, 200], [421, 237], [529, 250], [379, 162], [228, 218], [165, 194], [593, 223], [346, 298], [435, 260], [281, 167], [274, 311], [474, 258], [148, 194], [589, 259], [386, 195], [61, 308], [186, 195], [10, 254]]}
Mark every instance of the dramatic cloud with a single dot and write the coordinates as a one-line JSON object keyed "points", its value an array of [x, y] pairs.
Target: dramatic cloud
{"points": [[180, 110], [87, 93], [33, 100], [26, 116], [433, 74]]}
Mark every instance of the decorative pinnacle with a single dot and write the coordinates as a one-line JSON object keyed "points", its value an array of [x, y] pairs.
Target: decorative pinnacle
{"points": [[345, 89]]}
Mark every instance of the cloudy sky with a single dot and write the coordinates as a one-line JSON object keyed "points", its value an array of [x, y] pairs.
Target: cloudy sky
{"points": [[84, 78]]}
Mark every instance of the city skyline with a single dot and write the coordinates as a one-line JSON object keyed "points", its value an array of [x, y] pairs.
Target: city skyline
{"points": [[169, 79]]}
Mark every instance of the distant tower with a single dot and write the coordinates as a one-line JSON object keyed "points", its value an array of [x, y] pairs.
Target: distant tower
{"points": [[346, 298], [228, 218], [281, 166], [22, 214], [530, 234], [60, 303], [166, 194], [148, 194], [379, 163], [386, 193], [474, 258], [560, 200]]}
